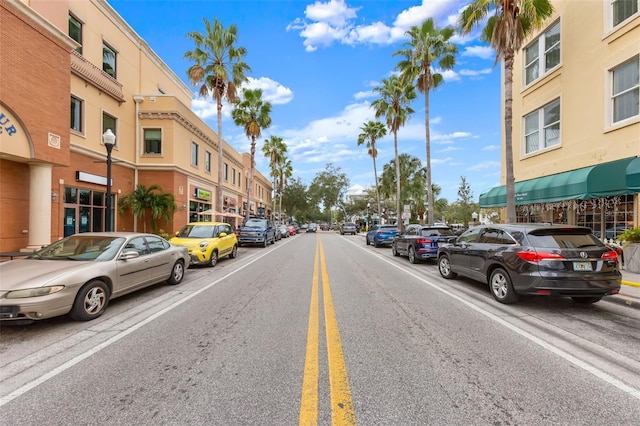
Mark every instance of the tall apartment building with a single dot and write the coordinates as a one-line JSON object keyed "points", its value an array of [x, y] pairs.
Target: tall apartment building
{"points": [[576, 121], [70, 70]]}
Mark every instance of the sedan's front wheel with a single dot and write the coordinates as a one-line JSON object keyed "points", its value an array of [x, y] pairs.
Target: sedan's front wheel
{"points": [[444, 266], [91, 301], [501, 287]]}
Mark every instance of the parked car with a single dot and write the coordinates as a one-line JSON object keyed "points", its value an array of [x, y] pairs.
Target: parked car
{"points": [[207, 242], [420, 242], [348, 228], [257, 231], [312, 227], [79, 275], [284, 231], [292, 230], [381, 235], [536, 259]]}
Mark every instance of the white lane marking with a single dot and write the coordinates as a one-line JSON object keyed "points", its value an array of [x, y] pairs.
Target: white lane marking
{"points": [[65, 366], [551, 348]]}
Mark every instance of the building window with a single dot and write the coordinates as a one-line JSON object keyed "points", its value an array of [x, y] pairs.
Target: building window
{"points": [[226, 172], [625, 91], [152, 141], [194, 154], [76, 114], [110, 122], [207, 161], [542, 55], [622, 9], [233, 176], [75, 32], [108, 60], [542, 128]]}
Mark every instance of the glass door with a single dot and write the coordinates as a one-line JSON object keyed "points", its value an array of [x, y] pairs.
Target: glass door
{"points": [[70, 214]]}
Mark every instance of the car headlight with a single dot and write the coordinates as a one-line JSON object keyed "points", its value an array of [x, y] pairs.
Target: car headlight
{"points": [[34, 292], [204, 244]]}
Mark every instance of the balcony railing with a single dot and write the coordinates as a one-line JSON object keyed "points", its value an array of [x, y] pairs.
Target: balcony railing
{"points": [[95, 76]]}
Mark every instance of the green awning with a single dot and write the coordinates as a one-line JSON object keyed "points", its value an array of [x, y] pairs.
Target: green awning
{"points": [[633, 175], [598, 181]]}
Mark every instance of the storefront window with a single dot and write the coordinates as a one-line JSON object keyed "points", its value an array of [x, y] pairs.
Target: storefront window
{"points": [[84, 210], [607, 217]]}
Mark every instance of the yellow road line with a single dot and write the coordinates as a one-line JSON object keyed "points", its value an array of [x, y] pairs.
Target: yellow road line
{"points": [[342, 412], [309, 402]]}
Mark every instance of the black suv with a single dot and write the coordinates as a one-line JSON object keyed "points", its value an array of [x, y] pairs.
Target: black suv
{"points": [[534, 259]]}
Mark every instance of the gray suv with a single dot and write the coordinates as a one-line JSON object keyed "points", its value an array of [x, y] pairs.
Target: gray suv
{"points": [[534, 259], [348, 228]]}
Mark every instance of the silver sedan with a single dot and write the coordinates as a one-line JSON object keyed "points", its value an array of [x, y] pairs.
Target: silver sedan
{"points": [[79, 274]]}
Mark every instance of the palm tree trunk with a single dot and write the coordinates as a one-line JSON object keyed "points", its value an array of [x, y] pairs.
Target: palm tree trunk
{"points": [[428, 138], [220, 156], [508, 143], [250, 189], [399, 221], [375, 175]]}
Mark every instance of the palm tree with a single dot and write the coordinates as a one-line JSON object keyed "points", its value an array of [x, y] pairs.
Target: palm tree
{"points": [[151, 199], [395, 97], [274, 149], [285, 171], [219, 70], [371, 132], [412, 179], [426, 46], [253, 114], [508, 23]]}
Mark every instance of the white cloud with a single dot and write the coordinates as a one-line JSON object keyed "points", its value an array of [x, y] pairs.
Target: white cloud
{"points": [[484, 52], [272, 91], [486, 165], [474, 73], [491, 148], [364, 95]]}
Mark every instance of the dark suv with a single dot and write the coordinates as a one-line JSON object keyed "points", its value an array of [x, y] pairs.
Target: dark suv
{"points": [[420, 242], [535, 259], [257, 231]]}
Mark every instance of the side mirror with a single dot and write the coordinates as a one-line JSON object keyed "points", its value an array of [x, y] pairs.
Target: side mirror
{"points": [[129, 254], [222, 235]]}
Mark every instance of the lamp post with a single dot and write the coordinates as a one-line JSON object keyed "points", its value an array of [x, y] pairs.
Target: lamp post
{"points": [[368, 206], [109, 140]]}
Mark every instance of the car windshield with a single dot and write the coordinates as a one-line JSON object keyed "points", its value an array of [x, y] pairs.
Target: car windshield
{"points": [[81, 247], [197, 231], [255, 223]]}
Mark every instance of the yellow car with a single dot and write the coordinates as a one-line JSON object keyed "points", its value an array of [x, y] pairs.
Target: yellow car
{"points": [[207, 241]]}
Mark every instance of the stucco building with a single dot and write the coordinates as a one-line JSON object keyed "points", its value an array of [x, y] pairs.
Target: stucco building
{"points": [[576, 122], [70, 70]]}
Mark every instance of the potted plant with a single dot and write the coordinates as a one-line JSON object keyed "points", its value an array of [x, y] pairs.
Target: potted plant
{"points": [[630, 239]]}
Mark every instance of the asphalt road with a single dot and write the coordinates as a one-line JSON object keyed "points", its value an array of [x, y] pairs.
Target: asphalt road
{"points": [[321, 329]]}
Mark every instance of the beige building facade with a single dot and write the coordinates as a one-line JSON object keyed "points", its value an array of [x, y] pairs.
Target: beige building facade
{"points": [[93, 73], [576, 120]]}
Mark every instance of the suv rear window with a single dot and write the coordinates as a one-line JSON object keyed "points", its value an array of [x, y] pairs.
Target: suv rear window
{"points": [[437, 232], [565, 240]]}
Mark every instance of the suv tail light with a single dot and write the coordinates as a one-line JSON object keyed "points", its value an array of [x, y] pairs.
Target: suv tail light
{"points": [[610, 255], [424, 241], [537, 256]]}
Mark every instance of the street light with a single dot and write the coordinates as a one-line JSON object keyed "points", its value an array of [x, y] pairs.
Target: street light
{"points": [[109, 140], [368, 205]]}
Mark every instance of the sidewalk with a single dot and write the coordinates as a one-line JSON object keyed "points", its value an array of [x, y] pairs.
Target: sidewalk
{"points": [[630, 291]]}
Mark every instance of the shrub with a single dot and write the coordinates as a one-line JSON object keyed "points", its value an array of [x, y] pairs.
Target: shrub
{"points": [[631, 235]]}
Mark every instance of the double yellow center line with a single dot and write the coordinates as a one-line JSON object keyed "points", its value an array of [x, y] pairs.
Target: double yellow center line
{"points": [[342, 412]]}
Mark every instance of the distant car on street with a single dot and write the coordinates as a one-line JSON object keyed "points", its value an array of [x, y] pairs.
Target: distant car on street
{"points": [[284, 231], [381, 235], [312, 227], [257, 231], [420, 242], [348, 228]]}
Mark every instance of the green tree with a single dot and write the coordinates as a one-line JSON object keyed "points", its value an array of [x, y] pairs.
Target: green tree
{"points": [[275, 150], [507, 23], [152, 200], [411, 183], [295, 198], [328, 187], [219, 69], [285, 171], [465, 199], [427, 46], [371, 132], [253, 115], [394, 104]]}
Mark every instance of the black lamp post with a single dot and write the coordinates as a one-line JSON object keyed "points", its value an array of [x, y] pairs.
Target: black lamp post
{"points": [[109, 140], [368, 206]]}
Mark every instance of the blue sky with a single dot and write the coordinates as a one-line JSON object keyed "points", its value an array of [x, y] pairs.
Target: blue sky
{"points": [[318, 62]]}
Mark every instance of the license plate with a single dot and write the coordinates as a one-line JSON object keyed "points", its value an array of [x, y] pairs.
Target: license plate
{"points": [[582, 266]]}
